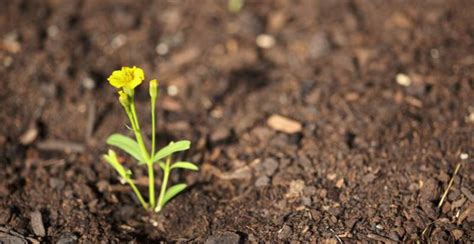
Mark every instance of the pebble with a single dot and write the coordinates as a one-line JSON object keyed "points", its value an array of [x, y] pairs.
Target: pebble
{"points": [[270, 165], [296, 188], [221, 134], [283, 124], [88, 83], [285, 232], [403, 79], [29, 136], [319, 45], [265, 41], [118, 41], [227, 237], [37, 223], [172, 90], [262, 181], [162, 49], [56, 183], [67, 238], [10, 43], [53, 31]]}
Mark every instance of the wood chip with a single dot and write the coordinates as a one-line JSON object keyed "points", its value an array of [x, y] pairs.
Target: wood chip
{"points": [[457, 234], [37, 223], [283, 124], [466, 213], [467, 193]]}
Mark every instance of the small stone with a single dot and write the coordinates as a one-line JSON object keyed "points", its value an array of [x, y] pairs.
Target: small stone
{"points": [[331, 176], [53, 31], [56, 183], [464, 156], [284, 232], [29, 136], [458, 203], [340, 183], [262, 181], [221, 134], [319, 45], [118, 41], [67, 238], [11, 44], [403, 79], [296, 189], [162, 49], [172, 90], [368, 178], [457, 234], [227, 237], [283, 124], [270, 165], [265, 41], [37, 223], [88, 83], [306, 201]]}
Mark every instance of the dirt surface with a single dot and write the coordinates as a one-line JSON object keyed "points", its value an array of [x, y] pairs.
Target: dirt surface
{"points": [[380, 96]]}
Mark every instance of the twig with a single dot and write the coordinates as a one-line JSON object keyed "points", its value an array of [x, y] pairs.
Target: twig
{"points": [[59, 145], [337, 237], [449, 185]]}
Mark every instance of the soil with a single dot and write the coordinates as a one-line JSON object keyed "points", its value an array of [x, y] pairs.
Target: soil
{"points": [[383, 92]]}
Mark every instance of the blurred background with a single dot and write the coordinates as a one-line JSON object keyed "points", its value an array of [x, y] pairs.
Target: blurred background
{"points": [[300, 113]]}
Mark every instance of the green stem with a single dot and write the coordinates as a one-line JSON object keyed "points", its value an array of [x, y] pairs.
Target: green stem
{"points": [[166, 173], [138, 132], [151, 184], [153, 102], [132, 115], [138, 194], [151, 173]]}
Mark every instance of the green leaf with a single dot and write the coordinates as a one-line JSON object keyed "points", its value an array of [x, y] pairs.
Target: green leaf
{"points": [[172, 148], [111, 158], [127, 144], [173, 191], [162, 165], [185, 165]]}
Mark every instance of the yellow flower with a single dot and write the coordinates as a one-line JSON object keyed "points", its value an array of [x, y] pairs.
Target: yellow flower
{"points": [[127, 78]]}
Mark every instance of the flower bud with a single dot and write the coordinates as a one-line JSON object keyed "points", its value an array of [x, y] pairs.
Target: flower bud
{"points": [[124, 99], [153, 88]]}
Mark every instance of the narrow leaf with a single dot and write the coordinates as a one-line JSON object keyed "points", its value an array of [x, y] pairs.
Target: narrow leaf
{"points": [[162, 165], [185, 165], [127, 144], [171, 148], [173, 191], [111, 158]]}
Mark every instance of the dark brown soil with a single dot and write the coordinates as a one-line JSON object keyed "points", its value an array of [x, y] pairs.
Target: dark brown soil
{"points": [[371, 162]]}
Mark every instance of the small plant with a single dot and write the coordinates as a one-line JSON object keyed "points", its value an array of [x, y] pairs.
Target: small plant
{"points": [[126, 80]]}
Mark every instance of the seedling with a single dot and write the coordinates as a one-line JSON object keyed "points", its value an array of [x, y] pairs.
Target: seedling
{"points": [[126, 80]]}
